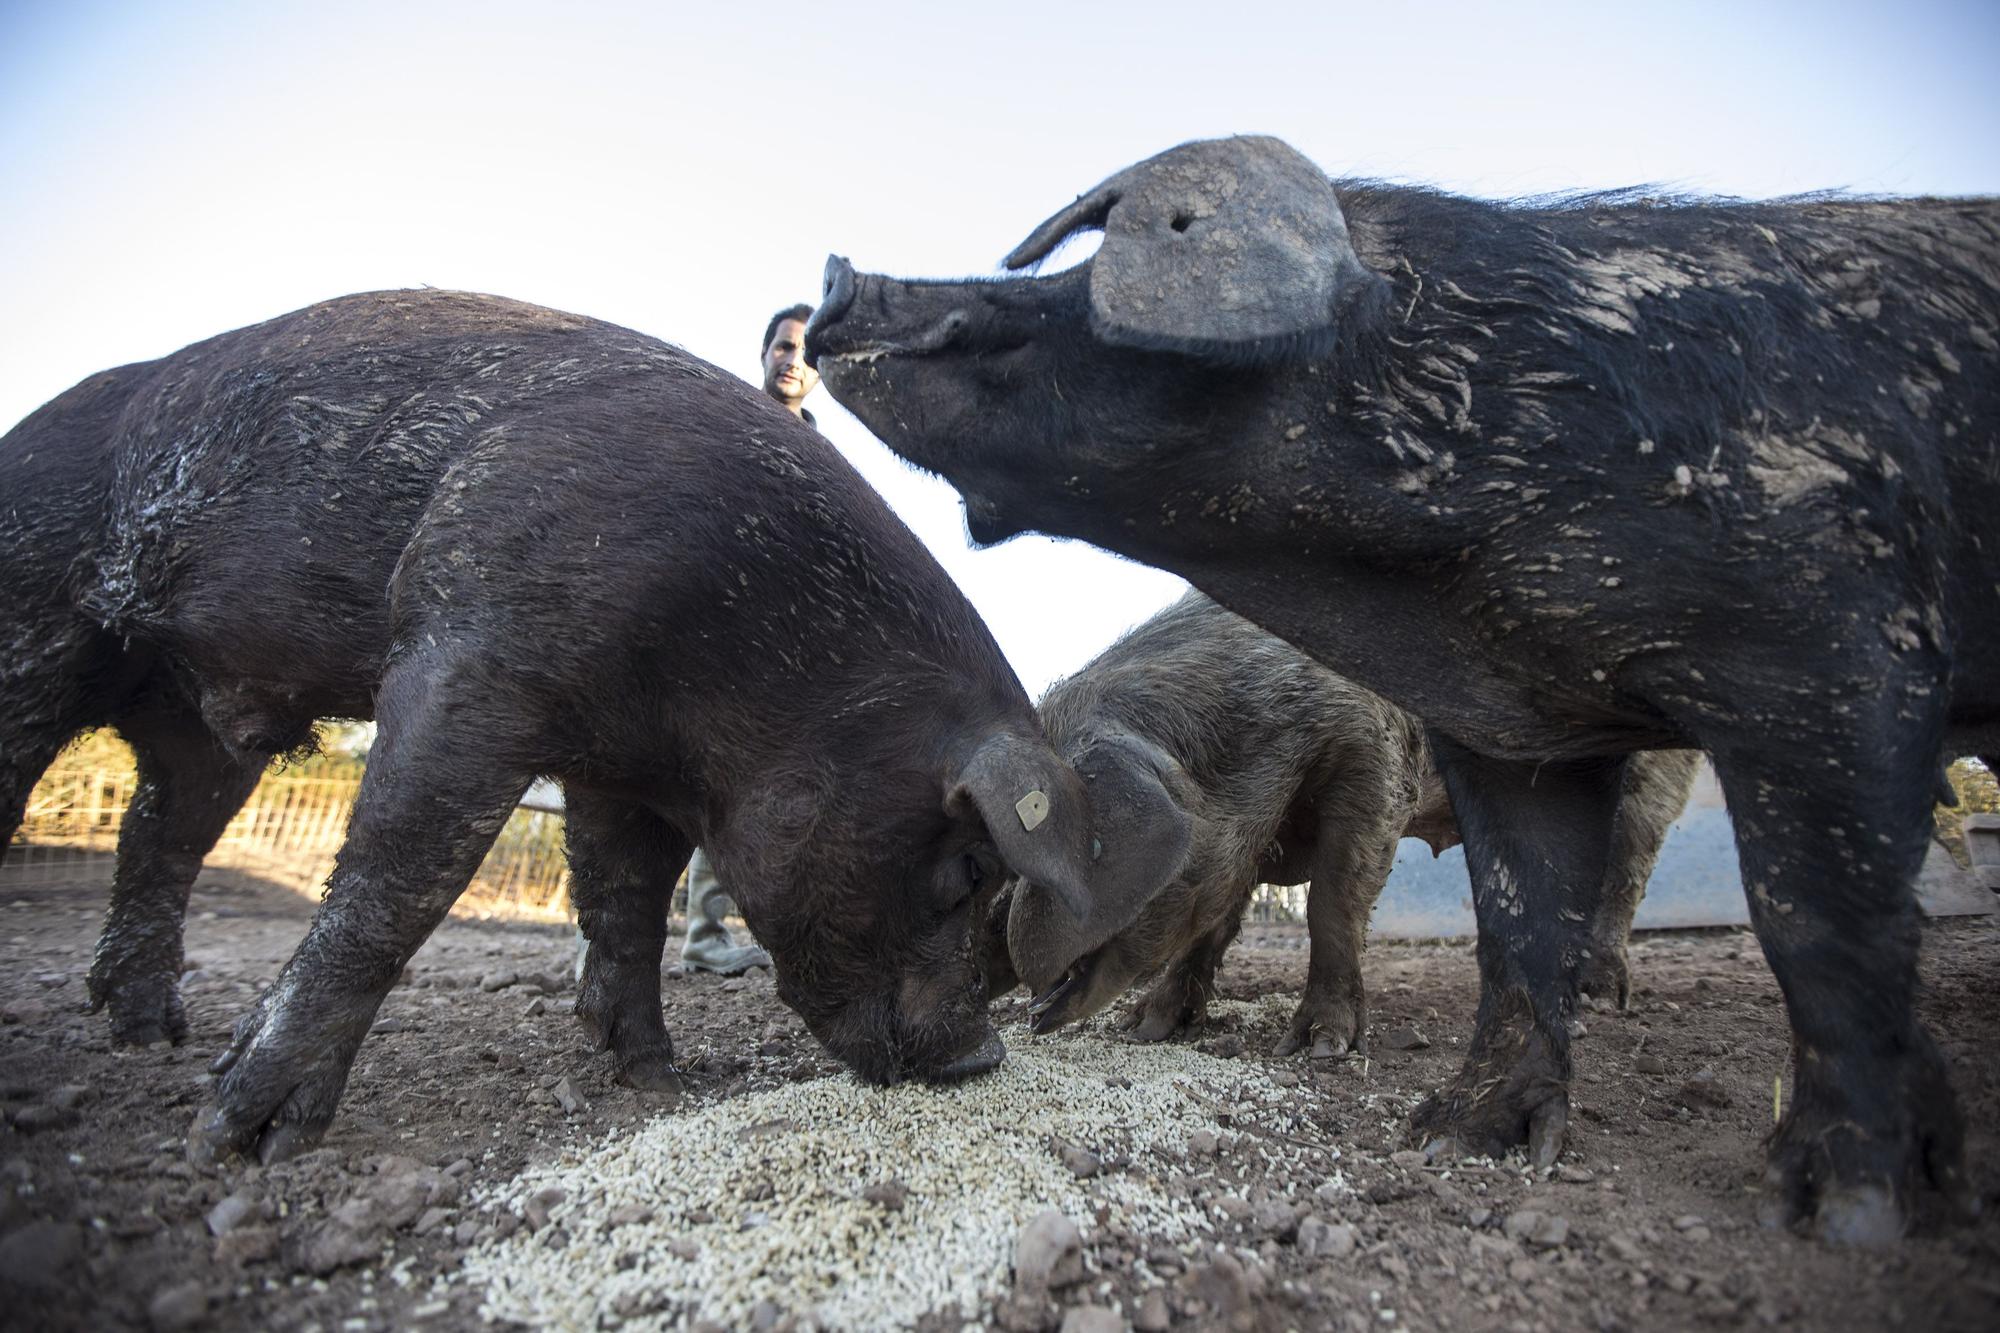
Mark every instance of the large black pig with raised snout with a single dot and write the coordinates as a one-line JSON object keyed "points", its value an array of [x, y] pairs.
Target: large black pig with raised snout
{"points": [[525, 543], [1567, 481]]}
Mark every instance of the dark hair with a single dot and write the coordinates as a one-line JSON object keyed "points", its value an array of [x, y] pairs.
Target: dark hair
{"points": [[801, 312]]}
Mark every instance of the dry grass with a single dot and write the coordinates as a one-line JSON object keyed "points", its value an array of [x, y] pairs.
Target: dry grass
{"points": [[1978, 793]]}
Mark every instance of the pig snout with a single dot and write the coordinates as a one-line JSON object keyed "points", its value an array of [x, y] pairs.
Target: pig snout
{"points": [[945, 1033], [837, 296], [1043, 942], [926, 1028], [848, 330], [985, 1056]]}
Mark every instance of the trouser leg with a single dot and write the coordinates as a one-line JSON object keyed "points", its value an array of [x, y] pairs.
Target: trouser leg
{"points": [[708, 946]]}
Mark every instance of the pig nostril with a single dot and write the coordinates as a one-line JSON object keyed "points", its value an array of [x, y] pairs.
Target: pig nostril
{"points": [[836, 290]]}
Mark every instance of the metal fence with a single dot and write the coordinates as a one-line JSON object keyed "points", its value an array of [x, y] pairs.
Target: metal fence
{"points": [[286, 833], [1271, 903]]}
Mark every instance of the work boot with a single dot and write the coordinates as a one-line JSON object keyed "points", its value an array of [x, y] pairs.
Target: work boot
{"points": [[708, 947]]}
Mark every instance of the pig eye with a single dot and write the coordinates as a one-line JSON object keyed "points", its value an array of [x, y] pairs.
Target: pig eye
{"points": [[978, 871], [959, 877]]}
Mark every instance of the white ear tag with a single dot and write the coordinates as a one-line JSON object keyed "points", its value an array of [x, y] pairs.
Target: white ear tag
{"points": [[1033, 809]]}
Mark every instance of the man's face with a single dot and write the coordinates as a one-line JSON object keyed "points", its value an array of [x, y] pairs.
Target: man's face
{"points": [[787, 377]]}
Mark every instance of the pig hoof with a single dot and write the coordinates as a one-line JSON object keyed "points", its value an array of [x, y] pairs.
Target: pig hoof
{"points": [[1151, 1027], [618, 1006], [1173, 1007], [652, 1074], [1855, 1178], [1513, 1089], [145, 1007], [641, 1052], [148, 1024], [1327, 1048], [216, 1136], [1331, 1028], [278, 1085], [1493, 1117], [1868, 1216], [1605, 977], [1547, 1124], [1487, 1130], [229, 1127]]}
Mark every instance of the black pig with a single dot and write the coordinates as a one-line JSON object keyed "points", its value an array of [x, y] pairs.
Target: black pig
{"points": [[1566, 481], [1288, 774], [525, 543]]}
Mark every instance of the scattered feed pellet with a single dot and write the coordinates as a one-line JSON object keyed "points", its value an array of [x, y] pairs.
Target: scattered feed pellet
{"points": [[857, 1206]]}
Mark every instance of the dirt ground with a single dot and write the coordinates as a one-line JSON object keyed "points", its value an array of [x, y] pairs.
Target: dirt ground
{"points": [[476, 1069]]}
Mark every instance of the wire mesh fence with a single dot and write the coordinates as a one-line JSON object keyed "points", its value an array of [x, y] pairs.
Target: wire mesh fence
{"points": [[287, 833]]}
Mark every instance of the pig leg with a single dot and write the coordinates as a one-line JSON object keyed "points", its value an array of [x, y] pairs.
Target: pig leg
{"points": [[189, 788], [435, 795], [1652, 796], [1537, 837], [1179, 1000], [25, 750], [1830, 847], [1348, 875], [46, 698], [623, 861]]}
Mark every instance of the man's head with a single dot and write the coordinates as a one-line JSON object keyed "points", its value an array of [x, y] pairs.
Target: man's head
{"points": [[787, 377]]}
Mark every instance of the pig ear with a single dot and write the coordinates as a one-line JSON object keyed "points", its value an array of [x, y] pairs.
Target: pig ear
{"points": [[1103, 837], [1227, 249], [1141, 834], [1035, 811]]}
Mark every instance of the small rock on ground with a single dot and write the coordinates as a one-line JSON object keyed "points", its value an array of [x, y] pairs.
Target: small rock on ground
{"points": [[890, 1194], [39, 1254], [1321, 1239], [1405, 1038], [1092, 1319], [231, 1213], [178, 1307], [1082, 1162], [246, 1245], [1048, 1253], [1542, 1230]]}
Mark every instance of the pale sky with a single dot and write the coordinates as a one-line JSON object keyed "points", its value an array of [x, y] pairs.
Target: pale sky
{"points": [[169, 171]]}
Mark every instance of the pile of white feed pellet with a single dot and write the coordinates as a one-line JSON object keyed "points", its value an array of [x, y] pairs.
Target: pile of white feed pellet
{"points": [[761, 1197]]}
